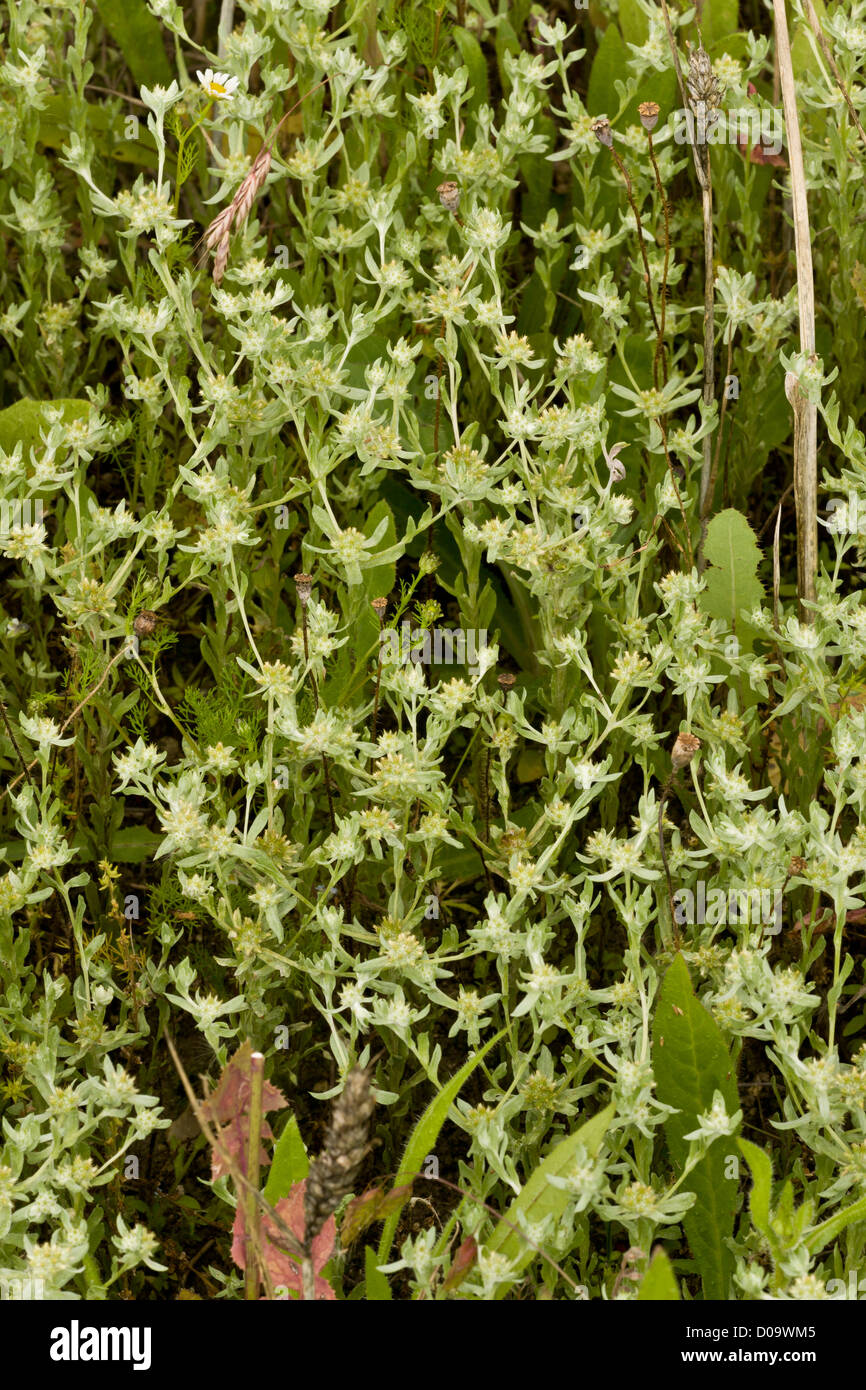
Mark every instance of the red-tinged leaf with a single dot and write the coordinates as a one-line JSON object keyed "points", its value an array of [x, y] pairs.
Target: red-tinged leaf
{"points": [[393, 1200], [284, 1270], [757, 156], [827, 921], [233, 1091], [373, 1205], [234, 1141], [228, 1107], [461, 1264], [360, 1214]]}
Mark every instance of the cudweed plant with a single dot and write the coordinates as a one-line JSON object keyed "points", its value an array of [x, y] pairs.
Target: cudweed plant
{"points": [[360, 321]]}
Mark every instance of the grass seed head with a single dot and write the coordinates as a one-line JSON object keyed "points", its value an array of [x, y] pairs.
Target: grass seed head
{"points": [[332, 1175], [703, 85]]}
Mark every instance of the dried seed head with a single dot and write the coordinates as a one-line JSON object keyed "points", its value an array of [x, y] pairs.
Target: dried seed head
{"points": [[449, 196], [221, 260], [649, 114], [145, 623], [684, 749], [703, 85], [506, 681], [217, 235], [379, 606], [602, 131], [220, 227], [797, 866], [332, 1175], [304, 586], [251, 186]]}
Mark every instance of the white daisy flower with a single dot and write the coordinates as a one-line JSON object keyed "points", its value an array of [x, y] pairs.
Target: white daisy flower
{"points": [[218, 84]]}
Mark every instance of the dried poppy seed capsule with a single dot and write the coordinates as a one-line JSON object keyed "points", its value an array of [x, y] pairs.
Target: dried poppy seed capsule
{"points": [[649, 114], [602, 131], [684, 750], [145, 623], [304, 586], [506, 681], [449, 196]]}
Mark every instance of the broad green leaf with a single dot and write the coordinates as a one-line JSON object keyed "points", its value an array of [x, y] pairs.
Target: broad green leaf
{"points": [[425, 1134], [370, 349], [537, 174], [96, 1291], [139, 37], [633, 22], [804, 45], [719, 22], [26, 419], [732, 577], [474, 60], [539, 1198], [506, 42], [378, 1290], [290, 1163], [659, 1284], [762, 1181], [609, 64], [58, 117], [459, 863], [691, 1062], [530, 765], [134, 844], [379, 579]]}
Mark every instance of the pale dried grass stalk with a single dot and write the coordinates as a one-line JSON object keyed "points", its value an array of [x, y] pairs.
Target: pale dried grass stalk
{"points": [[286, 1238], [805, 411], [705, 95], [815, 25]]}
